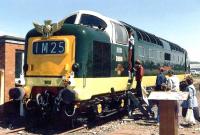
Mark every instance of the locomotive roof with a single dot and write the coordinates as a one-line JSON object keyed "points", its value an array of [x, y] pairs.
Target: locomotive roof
{"points": [[105, 18], [144, 34], [174, 46]]}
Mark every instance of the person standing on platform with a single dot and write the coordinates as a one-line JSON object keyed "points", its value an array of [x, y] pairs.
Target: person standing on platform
{"points": [[139, 72], [191, 102]]}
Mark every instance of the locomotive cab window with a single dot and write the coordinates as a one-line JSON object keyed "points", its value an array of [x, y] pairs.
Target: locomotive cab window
{"points": [[71, 19], [121, 35], [92, 21]]}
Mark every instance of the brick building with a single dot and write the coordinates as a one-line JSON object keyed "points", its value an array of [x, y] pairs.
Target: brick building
{"points": [[11, 61]]}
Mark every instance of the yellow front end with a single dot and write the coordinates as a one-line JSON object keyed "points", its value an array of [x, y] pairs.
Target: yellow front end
{"points": [[49, 60]]}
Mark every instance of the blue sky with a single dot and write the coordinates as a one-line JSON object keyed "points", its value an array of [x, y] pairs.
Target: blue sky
{"points": [[175, 20]]}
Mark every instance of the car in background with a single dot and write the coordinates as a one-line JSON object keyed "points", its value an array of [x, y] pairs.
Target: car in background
{"points": [[194, 72]]}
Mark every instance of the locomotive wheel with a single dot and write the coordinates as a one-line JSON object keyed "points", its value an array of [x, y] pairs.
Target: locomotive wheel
{"points": [[122, 103], [69, 113], [69, 109], [99, 108]]}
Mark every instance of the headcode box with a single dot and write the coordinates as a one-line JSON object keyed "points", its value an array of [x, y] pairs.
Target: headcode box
{"points": [[161, 95]]}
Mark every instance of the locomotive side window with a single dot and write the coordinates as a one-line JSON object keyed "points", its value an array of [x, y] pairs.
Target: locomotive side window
{"points": [[144, 36], [91, 20], [141, 51], [71, 19], [167, 56], [151, 53], [160, 55], [121, 35], [139, 35], [147, 37]]}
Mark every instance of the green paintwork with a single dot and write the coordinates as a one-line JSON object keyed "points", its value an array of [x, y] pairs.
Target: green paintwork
{"points": [[85, 37], [151, 65]]}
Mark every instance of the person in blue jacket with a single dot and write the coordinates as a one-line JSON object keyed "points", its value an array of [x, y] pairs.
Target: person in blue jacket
{"points": [[160, 79]]}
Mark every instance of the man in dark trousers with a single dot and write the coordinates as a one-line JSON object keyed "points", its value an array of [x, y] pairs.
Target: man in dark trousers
{"points": [[161, 79], [139, 72]]}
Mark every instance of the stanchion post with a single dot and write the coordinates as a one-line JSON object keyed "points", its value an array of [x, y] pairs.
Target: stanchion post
{"points": [[168, 105], [168, 117]]}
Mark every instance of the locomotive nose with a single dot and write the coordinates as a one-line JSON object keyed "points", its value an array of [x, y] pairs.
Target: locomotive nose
{"points": [[16, 93]]}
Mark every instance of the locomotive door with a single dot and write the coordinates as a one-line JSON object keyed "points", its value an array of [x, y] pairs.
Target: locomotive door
{"points": [[101, 59]]}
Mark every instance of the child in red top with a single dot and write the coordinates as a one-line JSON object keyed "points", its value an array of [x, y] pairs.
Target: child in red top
{"points": [[139, 72]]}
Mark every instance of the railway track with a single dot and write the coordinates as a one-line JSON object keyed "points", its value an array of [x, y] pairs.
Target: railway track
{"points": [[14, 131], [25, 128], [62, 128]]}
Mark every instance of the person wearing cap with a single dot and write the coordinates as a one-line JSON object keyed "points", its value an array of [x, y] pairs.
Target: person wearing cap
{"points": [[160, 79], [139, 72], [173, 81]]}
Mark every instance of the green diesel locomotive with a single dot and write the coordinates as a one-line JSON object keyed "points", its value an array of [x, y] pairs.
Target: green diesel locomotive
{"points": [[80, 64]]}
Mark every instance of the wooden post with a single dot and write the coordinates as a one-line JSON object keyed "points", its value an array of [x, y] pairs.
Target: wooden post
{"points": [[168, 105], [168, 117]]}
